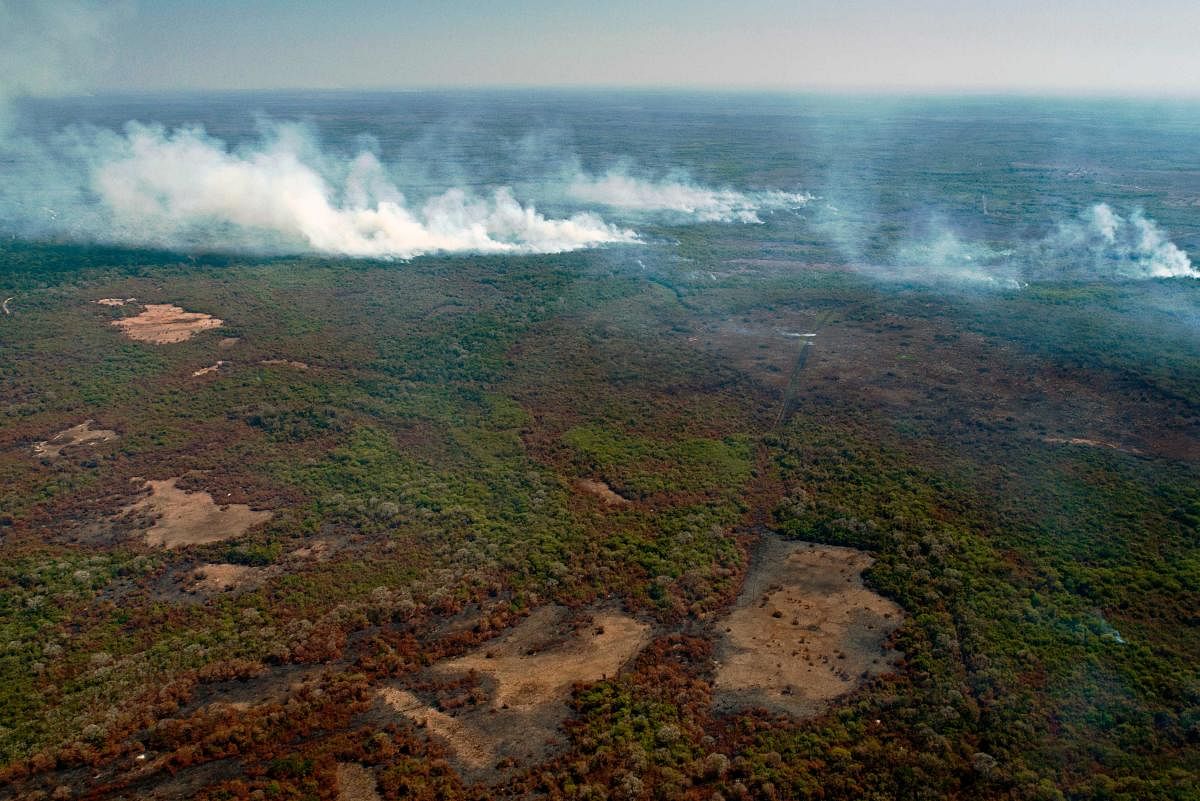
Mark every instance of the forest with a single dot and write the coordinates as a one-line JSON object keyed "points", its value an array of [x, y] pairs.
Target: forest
{"points": [[396, 468]]}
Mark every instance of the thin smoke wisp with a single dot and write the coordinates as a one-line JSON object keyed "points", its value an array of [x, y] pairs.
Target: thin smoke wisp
{"points": [[680, 197], [1098, 244]]}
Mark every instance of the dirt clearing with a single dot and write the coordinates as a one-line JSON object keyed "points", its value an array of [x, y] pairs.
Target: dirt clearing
{"points": [[162, 323], [525, 679], [191, 518], [804, 630], [82, 434]]}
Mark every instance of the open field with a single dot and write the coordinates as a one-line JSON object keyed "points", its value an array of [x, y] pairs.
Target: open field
{"points": [[163, 323], [80, 435], [804, 630], [523, 682], [191, 518]]}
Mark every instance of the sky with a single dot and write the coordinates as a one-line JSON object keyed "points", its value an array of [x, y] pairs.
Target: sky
{"points": [[1052, 46]]}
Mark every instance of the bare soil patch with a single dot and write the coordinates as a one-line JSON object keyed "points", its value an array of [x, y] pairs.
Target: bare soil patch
{"points": [[526, 678], [602, 491], [356, 782], [1091, 443], [284, 363], [192, 518], [228, 342], [82, 434], [318, 550], [804, 631], [162, 323], [210, 579], [211, 369], [115, 301]]}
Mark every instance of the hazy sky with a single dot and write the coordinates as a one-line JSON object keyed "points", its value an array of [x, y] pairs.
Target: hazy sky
{"points": [[1133, 46]]}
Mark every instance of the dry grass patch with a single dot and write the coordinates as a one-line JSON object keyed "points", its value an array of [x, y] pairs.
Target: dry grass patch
{"points": [[162, 323], [1090, 443], [355, 783], [211, 579], [192, 518], [804, 631], [526, 677], [82, 434], [601, 491], [211, 369]]}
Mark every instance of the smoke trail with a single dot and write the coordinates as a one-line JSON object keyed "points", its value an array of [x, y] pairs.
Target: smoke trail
{"points": [[1098, 244], [184, 187], [680, 197], [283, 194]]}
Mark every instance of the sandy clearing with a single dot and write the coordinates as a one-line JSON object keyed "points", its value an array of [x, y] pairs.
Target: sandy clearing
{"points": [[191, 518], [162, 323], [5, 304], [804, 631], [471, 744], [356, 782], [527, 674], [1091, 443], [284, 363], [602, 491], [212, 369], [215, 578], [114, 301], [318, 550], [82, 434]]}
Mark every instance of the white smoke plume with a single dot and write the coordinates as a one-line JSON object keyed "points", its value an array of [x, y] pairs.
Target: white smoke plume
{"points": [[1124, 247], [1097, 244], [184, 187], [678, 196]]}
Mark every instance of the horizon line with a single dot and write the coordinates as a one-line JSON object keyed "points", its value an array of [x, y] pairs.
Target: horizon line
{"points": [[1016, 92]]}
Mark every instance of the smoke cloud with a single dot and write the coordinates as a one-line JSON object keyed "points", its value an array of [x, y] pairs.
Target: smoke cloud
{"points": [[177, 187], [681, 198], [1098, 244], [1103, 242]]}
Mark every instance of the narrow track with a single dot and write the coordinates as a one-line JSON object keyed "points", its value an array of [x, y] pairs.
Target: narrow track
{"points": [[789, 392]]}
